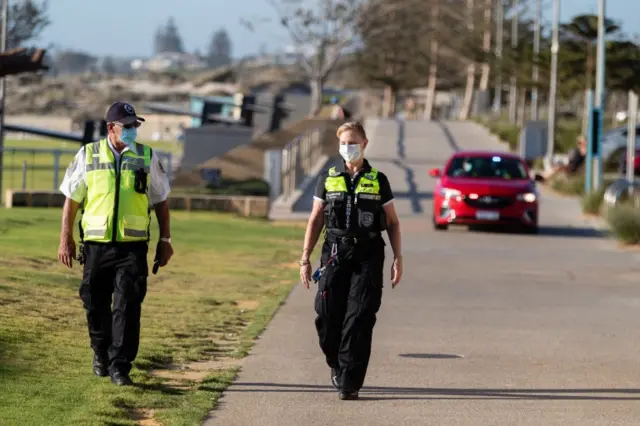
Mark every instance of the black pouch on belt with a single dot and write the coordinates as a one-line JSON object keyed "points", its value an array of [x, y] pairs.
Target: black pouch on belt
{"points": [[140, 184]]}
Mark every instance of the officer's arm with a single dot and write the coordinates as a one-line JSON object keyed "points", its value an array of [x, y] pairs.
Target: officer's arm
{"points": [[74, 188], [69, 212], [393, 223], [159, 189], [316, 220], [393, 229]]}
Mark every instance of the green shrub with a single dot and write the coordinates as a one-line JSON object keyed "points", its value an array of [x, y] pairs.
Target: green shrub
{"points": [[567, 133], [249, 187], [573, 185], [592, 202], [624, 221]]}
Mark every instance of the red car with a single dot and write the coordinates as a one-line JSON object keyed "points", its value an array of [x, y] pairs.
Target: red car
{"points": [[485, 188]]}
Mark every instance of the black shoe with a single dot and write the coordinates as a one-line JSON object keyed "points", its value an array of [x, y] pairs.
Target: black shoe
{"points": [[348, 395], [334, 378], [100, 365], [121, 379]]}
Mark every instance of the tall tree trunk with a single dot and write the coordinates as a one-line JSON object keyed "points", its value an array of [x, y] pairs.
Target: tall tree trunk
{"points": [[433, 68], [468, 93], [471, 69], [388, 102], [317, 85], [585, 114], [589, 83], [486, 45], [513, 91], [522, 104]]}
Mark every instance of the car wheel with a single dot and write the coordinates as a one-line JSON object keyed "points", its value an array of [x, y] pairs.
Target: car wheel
{"points": [[437, 226], [531, 230]]}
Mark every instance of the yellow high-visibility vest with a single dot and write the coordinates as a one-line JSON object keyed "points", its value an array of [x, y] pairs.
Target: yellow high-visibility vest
{"points": [[113, 210]]}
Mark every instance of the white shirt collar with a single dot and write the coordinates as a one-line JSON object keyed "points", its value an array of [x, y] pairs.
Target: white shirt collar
{"points": [[114, 150]]}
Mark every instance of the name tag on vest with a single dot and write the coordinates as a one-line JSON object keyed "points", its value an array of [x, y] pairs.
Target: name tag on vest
{"points": [[370, 197]]}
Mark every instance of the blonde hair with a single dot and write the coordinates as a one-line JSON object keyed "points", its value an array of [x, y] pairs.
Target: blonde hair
{"points": [[356, 126]]}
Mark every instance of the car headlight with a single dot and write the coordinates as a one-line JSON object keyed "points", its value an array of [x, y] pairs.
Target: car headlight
{"points": [[528, 197], [449, 193]]}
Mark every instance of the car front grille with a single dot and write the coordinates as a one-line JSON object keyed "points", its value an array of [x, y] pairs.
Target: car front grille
{"points": [[489, 202]]}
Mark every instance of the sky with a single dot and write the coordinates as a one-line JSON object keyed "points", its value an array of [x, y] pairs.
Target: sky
{"points": [[126, 27]]}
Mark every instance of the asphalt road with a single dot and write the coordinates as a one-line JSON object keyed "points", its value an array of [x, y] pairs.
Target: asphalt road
{"points": [[485, 329]]}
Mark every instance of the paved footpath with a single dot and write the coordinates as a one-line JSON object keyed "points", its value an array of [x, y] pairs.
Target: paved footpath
{"points": [[485, 329]]}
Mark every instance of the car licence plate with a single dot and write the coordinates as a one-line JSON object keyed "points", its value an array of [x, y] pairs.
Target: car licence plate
{"points": [[487, 215]]}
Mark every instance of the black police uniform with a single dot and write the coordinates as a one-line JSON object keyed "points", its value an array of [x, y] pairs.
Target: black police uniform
{"points": [[350, 288]]}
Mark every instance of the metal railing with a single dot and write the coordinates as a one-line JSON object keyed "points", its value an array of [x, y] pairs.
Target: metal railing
{"points": [[39, 169], [299, 157]]}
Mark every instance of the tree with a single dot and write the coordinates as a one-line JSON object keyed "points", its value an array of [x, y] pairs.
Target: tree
{"points": [[27, 19], [220, 49], [390, 52], [109, 66], [583, 29], [168, 39], [321, 31], [71, 62]]}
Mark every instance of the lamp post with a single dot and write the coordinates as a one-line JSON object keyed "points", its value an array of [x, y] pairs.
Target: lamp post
{"points": [[598, 100], [555, 46], [497, 100], [536, 57], [3, 48]]}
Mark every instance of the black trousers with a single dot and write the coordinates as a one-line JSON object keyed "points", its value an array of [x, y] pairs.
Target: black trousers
{"points": [[119, 271], [348, 299]]}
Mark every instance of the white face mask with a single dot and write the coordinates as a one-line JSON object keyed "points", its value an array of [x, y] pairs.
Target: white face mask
{"points": [[350, 153]]}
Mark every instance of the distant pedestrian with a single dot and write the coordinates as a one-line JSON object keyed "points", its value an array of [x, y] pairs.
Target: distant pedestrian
{"points": [[115, 182]]}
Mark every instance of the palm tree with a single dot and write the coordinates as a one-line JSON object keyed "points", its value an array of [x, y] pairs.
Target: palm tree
{"points": [[584, 29]]}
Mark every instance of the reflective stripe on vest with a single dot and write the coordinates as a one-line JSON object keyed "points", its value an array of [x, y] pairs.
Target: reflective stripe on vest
{"points": [[99, 222], [368, 183]]}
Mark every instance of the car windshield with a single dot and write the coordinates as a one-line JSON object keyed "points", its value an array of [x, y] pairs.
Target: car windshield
{"points": [[491, 167]]}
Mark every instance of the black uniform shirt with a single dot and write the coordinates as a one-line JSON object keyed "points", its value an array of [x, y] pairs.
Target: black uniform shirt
{"points": [[386, 195]]}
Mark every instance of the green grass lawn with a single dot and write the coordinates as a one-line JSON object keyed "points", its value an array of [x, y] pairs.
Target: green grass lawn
{"points": [[40, 166], [226, 280]]}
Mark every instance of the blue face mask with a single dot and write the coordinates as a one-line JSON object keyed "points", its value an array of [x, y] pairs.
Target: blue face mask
{"points": [[129, 136]]}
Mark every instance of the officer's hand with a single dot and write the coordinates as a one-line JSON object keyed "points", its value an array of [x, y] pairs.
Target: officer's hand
{"points": [[305, 274], [396, 271], [67, 251], [166, 251]]}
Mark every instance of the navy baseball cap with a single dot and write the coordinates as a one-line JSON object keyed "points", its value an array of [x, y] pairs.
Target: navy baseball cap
{"points": [[123, 113]]}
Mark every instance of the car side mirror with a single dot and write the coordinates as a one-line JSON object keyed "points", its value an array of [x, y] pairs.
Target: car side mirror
{"points": [[435, 173]]}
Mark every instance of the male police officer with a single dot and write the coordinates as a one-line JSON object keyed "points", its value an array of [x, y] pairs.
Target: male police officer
{"points": [[115, 181], [356, 205]]}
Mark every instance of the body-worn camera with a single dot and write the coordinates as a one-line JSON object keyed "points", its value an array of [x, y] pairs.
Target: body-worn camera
{"points": [[140, 184]]}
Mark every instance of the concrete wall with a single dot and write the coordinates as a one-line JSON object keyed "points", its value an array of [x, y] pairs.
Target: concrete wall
{"points": [[242, 205]]}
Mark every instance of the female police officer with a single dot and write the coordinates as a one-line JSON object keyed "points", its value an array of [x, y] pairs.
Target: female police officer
{"points": [[356, 205]]}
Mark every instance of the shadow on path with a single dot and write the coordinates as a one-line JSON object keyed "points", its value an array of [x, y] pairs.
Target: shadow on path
{"points": [[409, 161], [571, 231], [431, 356], [413, 193], [447, 133], [546, 231], [389, 393]]}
